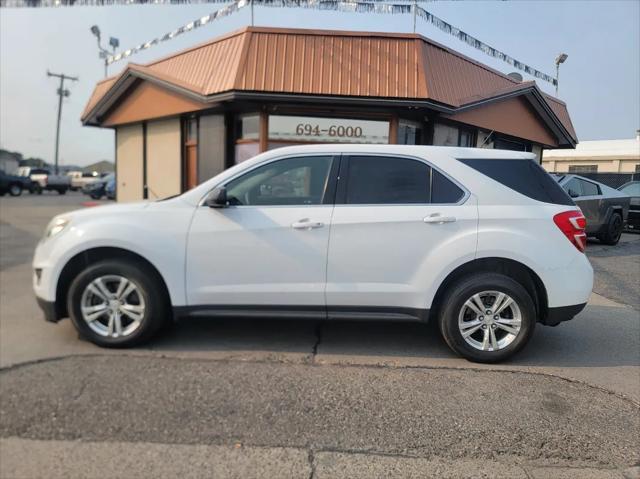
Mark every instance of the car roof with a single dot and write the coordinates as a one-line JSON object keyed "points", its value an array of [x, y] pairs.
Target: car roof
{"points": [[418, 150]]}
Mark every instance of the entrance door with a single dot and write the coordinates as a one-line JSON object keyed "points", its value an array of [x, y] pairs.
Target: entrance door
{"points": [[191, 153], [269, 246], [191, 172]]}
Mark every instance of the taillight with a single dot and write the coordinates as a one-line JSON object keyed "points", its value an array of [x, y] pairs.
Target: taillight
{"points": [[572, 224]]}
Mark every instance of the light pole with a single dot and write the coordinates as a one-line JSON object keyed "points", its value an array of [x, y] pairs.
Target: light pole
{"points": [[104, 53], [559, 59]]}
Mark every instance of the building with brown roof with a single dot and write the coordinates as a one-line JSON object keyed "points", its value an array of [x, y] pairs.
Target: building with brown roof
{"points": [[186, 117]]}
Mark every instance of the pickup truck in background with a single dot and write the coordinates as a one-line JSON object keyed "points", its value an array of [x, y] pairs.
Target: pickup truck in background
{"points": [[45, 180], [15, 185], [79, 179]]}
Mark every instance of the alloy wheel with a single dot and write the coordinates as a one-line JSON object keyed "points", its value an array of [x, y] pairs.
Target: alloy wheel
{"points": [[490, 320], [112, 306]]}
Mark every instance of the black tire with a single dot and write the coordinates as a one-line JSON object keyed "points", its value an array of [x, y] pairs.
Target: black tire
{"points": [[612, 230], [464, 289], [15, 189], [157, 309]]}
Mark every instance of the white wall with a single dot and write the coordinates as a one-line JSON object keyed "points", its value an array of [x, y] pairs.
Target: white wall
{"points": [[129, 163], [163, 158]]}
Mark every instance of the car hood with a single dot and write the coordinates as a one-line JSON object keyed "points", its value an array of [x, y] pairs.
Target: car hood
{"points": [[117, 209]]}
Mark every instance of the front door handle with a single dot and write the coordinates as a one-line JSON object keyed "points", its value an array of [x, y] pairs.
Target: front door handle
{"points": [[306, 224], [438, 219]]}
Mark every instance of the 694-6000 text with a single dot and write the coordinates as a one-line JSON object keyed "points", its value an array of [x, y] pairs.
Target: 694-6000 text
{"points": [[306, 129]]}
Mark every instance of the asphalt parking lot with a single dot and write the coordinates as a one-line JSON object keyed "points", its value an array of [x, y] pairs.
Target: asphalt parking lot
{"points": [[248, 398]]}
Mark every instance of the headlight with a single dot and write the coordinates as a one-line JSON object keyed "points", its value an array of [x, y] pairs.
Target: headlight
{"points": [[56, 226]]}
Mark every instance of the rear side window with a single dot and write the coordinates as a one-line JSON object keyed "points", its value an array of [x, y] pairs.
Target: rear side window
{"points": [[589, 189], [443, 190], [387, 180], [524, 176]]}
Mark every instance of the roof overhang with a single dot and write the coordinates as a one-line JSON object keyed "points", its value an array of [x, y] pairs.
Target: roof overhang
{"points": [[96, 115]]}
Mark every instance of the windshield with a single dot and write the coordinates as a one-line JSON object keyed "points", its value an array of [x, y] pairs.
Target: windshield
{"points": [[631, 189]]}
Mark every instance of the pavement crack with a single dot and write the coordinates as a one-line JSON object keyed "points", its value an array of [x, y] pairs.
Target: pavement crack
{"points": [[318, 333], [312, 463]]}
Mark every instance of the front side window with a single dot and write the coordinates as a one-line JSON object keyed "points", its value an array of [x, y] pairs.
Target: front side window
{"points": [[573, 187], [292, 181]]}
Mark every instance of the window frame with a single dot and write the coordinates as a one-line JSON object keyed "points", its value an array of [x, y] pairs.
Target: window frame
{"points": [[343, 177], [328, 197]]}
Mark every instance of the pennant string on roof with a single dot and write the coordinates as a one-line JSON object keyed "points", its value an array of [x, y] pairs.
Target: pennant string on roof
{"points": [[479, 45], [346, 6], [223, 12]]}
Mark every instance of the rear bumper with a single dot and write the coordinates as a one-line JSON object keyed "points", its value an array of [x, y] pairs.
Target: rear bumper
{"points": [[559, 314], [49, 309]]}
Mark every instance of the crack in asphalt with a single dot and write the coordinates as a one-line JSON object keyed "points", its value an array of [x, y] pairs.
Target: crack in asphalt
{"points": [[401, 412], [270, 360]]}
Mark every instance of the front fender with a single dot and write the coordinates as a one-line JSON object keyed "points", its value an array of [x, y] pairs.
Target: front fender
{"points": [[159, 236]]}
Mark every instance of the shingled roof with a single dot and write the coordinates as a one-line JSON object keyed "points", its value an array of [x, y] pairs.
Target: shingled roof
{"points": [[404, 68]]}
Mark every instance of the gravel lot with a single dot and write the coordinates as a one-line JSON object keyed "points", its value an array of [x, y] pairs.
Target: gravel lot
{"points": [[302, 399]]}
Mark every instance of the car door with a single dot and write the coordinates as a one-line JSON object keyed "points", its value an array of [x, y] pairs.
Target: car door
{"points": [[588, 197], [394, 226], [269, 246]]}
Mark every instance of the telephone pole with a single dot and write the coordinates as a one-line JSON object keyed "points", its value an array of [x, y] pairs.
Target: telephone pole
{"points": [[61, 92]]}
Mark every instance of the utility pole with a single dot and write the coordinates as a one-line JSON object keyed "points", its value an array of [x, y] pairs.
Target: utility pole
{"points": [[61, 92]]}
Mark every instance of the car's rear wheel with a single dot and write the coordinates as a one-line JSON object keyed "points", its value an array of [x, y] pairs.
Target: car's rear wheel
{"points": [[487, 317], [117, 304], [15, 189], [612, 230]]}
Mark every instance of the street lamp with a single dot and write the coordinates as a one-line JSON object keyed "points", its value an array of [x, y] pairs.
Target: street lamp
{"points": [[559, 59], [104, 53]]}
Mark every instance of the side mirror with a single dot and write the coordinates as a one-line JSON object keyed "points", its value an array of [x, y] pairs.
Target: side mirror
{"points": [[217, 198], [572, 193]]}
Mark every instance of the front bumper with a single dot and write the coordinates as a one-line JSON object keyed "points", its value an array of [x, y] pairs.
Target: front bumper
{"points": [[49, 309]]}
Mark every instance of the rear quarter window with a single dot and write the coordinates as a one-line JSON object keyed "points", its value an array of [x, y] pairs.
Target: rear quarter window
{"points": [[524, 176]]}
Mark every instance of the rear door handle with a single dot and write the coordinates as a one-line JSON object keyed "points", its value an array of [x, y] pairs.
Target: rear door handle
{"points": [[306, 224], [437, 219]]}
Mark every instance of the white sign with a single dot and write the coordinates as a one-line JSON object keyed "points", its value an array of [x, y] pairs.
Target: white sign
{"points": [[327, 130]]}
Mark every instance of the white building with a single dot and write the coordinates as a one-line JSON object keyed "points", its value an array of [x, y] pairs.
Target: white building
{"points": [[602, 156]]}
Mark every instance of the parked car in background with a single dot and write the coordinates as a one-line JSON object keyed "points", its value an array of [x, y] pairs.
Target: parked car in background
{"points": [[632, 189], [110, 187], [79, 179], [484, 242], [15, 185], [47, 181], [605, 208], [97, 188]]}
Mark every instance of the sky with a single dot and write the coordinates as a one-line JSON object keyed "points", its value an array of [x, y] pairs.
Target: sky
{"points": [[600, 81]]}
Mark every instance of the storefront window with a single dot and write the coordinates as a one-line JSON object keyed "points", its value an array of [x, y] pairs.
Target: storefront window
{"points": [[465, 138], [302, 129], [248, 127], [409, 133], [508, 144]]}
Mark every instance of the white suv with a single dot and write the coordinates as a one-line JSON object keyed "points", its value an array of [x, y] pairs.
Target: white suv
{"points": [[482, 241]]}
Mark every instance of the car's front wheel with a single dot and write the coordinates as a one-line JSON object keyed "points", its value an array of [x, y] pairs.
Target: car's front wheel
{"points": [[487, 317], [115, 303]]}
